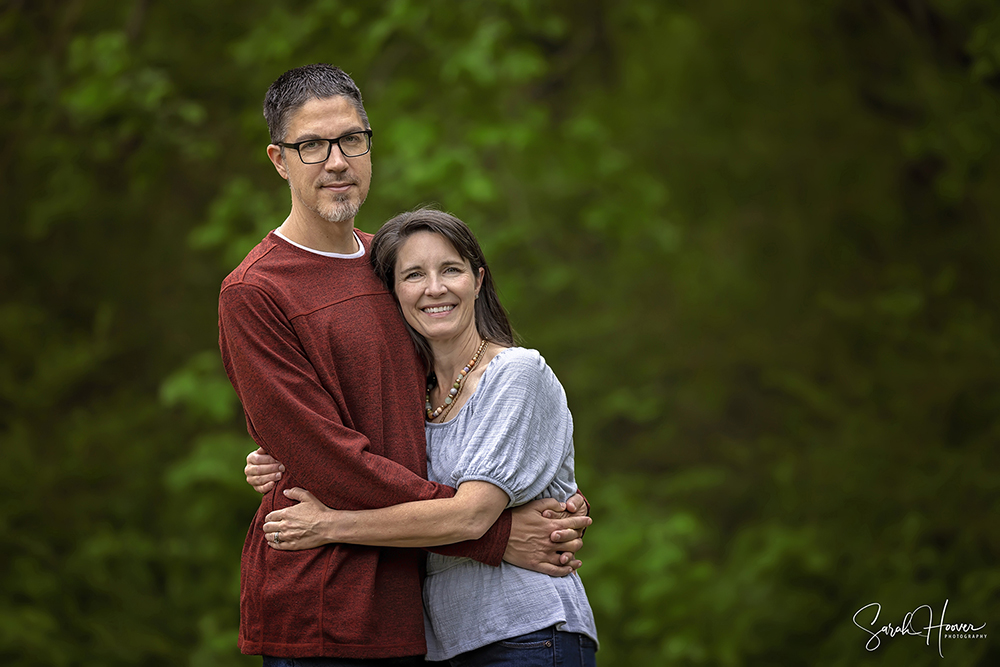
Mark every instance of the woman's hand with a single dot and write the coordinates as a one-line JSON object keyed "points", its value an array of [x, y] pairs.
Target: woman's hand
{"points": [[262, 470], [303, 526]]}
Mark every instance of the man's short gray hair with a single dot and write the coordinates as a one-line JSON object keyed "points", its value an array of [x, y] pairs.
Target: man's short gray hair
{"points": [[297, 86]]}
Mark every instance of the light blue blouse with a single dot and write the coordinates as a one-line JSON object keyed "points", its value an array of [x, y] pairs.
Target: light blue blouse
{"points": [[516, 432]]}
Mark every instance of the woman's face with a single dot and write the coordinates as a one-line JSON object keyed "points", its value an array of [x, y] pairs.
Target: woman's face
{"points": [[437, 288]]}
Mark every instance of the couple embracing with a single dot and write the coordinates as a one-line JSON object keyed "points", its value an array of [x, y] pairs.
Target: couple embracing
{"points": [[417, 466]]}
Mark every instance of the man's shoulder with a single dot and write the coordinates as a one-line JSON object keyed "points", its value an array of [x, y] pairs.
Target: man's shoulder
{"points": [[257, 262], [298, 280], [275, 264], [274, 260]]}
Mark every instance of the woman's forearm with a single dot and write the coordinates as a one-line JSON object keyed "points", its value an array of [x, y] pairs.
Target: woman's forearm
{"points": [[308, 524], [426, 523]]}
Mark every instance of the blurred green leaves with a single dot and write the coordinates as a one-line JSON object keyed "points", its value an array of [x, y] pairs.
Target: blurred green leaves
{"points": [[756, 242]]}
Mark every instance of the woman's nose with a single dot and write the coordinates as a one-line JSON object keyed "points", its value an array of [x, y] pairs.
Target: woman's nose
{"points": [[435, 285]]}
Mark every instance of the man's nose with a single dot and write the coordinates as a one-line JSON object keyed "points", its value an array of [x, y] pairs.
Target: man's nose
{"points": [[336, 161]]}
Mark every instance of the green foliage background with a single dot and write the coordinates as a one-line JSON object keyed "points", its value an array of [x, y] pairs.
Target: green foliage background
{"points": [[756, 240]]}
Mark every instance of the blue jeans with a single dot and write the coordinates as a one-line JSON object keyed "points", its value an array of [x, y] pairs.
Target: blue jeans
{"points": [[542, 648], [414, 661]]}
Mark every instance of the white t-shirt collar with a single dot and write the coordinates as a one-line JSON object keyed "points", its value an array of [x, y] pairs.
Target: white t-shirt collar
{"points": [[354, 255]]}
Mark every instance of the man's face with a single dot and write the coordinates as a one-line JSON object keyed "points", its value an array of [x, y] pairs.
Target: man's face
{"points": [[333, 190]]}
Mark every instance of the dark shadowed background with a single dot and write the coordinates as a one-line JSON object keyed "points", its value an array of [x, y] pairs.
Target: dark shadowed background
{"points": [[757, 241]]}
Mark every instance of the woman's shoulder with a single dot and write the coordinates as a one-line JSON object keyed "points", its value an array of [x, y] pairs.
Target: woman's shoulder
{"points": [[517, 359], [520, 365], [519, 376]]}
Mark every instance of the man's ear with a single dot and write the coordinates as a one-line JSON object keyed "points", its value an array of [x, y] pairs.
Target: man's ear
{"points": [[276, 157]]}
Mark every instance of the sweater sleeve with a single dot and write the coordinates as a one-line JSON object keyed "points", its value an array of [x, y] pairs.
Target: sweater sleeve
{"points": [[292, 416], [523, 442]]}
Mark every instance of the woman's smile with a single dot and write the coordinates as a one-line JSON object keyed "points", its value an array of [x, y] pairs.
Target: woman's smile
{"points": [[435, 310]]}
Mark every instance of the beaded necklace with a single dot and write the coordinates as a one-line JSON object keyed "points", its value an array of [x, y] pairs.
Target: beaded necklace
{"points": [[456, 388]]}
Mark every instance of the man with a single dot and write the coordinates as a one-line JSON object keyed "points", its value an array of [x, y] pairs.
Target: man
{"points": [[333, 388]]}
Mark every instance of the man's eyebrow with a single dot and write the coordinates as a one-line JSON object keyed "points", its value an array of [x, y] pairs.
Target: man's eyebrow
{"points": [[312, 135]]}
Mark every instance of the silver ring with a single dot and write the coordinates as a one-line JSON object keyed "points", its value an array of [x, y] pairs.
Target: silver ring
{"points": [[276, 538]]}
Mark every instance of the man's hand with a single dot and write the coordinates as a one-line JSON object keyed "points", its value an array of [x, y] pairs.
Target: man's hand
{"points": [[546, 534], [575, 506], [262, 471]]}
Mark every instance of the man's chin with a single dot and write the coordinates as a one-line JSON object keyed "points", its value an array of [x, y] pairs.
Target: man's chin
{"points": [[341, 213]]}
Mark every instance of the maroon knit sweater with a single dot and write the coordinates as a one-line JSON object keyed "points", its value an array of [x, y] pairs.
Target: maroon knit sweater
{"points": [[333, 388]]}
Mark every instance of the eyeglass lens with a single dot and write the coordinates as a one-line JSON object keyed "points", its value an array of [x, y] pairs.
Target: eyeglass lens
{"points": [[352, 145]]}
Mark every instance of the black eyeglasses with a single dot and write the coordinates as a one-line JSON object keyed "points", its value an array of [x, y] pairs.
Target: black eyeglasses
{"points": [[314, 151]]}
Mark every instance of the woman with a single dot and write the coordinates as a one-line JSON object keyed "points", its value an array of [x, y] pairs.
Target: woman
{"points": [[498, 429]]}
